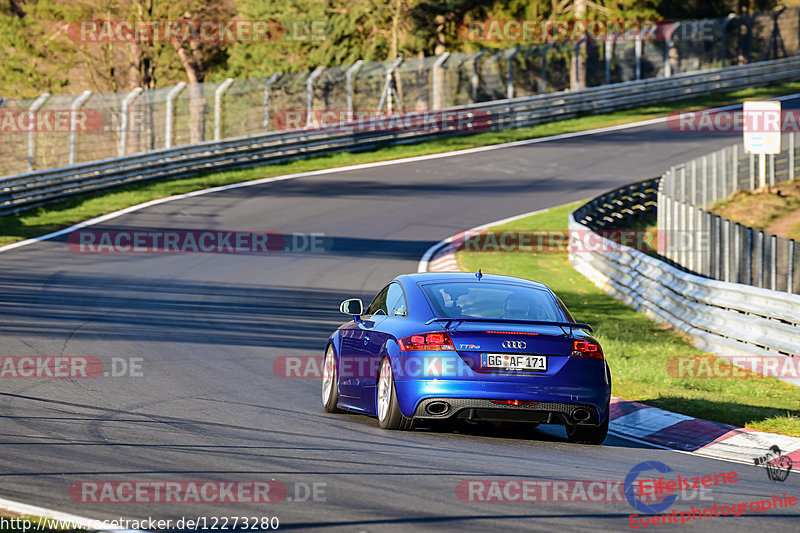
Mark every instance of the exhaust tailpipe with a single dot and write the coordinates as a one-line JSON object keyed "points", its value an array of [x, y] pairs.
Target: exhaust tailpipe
{"points": [[437, 408], [581, 415]]}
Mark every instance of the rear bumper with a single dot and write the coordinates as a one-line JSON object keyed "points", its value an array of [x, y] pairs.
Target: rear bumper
{"points": [[556, 403]]}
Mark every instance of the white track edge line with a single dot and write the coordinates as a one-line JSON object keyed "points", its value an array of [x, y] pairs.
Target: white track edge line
{"points": [[91, 524]]}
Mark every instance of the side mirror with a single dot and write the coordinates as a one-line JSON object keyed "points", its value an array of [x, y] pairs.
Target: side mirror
{"points": [[353, 307]]}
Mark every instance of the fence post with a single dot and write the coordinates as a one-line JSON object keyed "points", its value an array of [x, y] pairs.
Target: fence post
{"points": [[39, 102], [760, 260], [170, 103], [123, 136], [349, 86], [771, 170], [727, 257], [267, 84], [737, 252], [748, 271], [704, 165], [723, 171], [667, 64], [752, 171], [218, 107], [386, 94], [547, 47], [735, 172], [475, 79], [714, 177], [790, 275], [609, 51], [437, 80], [724, 52], [310, 95], [718, 246], [791, 156], [510, 88], [637, 47], [773, 246], [76, 104], [576, 78]]}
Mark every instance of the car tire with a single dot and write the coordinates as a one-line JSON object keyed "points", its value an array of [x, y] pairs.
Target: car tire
{"points": [[386, 407], [587, 434], [330, 382]]}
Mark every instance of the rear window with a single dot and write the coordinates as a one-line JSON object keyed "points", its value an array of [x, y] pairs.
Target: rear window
{"points": [[492, 300]]}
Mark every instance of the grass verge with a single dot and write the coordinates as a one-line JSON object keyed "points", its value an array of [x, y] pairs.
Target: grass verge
{"points": [[776, 210], [65, 213], [638, 349]]}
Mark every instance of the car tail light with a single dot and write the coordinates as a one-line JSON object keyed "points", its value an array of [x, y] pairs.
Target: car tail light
{"points": [[512, 332], [427, 341], [586, 349], [513, 402]]}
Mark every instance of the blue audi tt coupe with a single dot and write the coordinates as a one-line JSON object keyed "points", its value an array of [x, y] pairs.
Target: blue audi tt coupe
{"points": [[443, 346]]}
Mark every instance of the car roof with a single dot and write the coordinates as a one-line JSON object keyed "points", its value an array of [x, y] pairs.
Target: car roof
{"points": [[426, 277]]}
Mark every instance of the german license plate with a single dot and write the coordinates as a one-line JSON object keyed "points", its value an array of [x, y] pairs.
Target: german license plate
{"points": [[503, 361]]}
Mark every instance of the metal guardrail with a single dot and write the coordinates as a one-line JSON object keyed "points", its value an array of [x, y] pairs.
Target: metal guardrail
{"points": [[715, 246], [24, 191], [721, 317]]}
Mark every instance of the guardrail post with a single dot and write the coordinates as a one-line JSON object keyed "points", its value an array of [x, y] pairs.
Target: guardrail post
{"points": [[218, 107], [39, 102], [349, 86], [267, 85], [437, 80], [171, 95], [475, 79], [510, 88], [76, 104], [126, 102], [310, 95]]}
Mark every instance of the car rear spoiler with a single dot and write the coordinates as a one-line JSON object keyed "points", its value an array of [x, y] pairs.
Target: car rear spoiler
{"points": [[509, 321]]}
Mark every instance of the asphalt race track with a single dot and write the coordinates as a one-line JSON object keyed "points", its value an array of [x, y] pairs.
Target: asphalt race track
{"points": [[208, 327]]}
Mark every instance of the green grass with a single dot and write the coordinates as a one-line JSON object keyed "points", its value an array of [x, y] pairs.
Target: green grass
{"points": [[65, 213], [637, 348]]}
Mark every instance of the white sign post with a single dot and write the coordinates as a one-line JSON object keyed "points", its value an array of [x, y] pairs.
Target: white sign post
{"points": [[762, 133]]}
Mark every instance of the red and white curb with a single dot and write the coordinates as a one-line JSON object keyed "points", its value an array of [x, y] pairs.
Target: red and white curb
{"points": [[637, 421]]}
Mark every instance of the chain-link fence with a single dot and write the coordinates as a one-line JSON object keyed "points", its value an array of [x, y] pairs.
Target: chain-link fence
{"points": [[57, 130]]}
